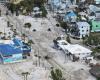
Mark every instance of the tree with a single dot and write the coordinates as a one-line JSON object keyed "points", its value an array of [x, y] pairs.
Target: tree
{"points": [[77, 1], [93, 40], [11, 7], [44, 12], [30, 42], [68, 39], [98, 78], [63, 25], [83, 38], [25, 74], [57, 74], [39, 2]]}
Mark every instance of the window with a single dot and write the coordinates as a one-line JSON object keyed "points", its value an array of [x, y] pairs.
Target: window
{"points": [[87, 30]]}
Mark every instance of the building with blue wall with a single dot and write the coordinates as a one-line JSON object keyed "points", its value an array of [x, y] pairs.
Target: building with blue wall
{"points": [[14, 52]]}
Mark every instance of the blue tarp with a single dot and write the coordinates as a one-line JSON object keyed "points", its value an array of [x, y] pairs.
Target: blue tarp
{"points": [[70, 14], [6, 50]]}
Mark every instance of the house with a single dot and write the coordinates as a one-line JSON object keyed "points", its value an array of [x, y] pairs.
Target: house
{"points": [[59, 4], [13, 50], [95, 25], [70, 17], [97, 14], [94, 11], [80, 30], [9, 54], [55, 4], [97, 1], [78, 51], [74, 50], [93, 8]]}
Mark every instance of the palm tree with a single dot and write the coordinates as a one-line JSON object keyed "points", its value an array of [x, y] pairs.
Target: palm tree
{"points": [[30, 42], [39, 57], [39, 2], [25, 74], [68, 39], [57, 74]]}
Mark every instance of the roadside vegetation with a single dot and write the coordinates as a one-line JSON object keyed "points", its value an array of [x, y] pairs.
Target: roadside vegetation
{"points": [[26, 7], [93, 41], [56, 74]]}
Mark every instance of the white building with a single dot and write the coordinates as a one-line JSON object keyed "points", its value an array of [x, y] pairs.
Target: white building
{"points": [[78, 51], [97, 1], [74, 49], [83, 29]]}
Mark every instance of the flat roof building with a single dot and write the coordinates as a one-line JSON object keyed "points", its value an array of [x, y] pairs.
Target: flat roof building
{"points": [[78, 51], [13, 50], [74, 50]]}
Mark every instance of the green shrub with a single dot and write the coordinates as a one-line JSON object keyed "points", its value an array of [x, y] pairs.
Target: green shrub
{"points": [[63, 25]]}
